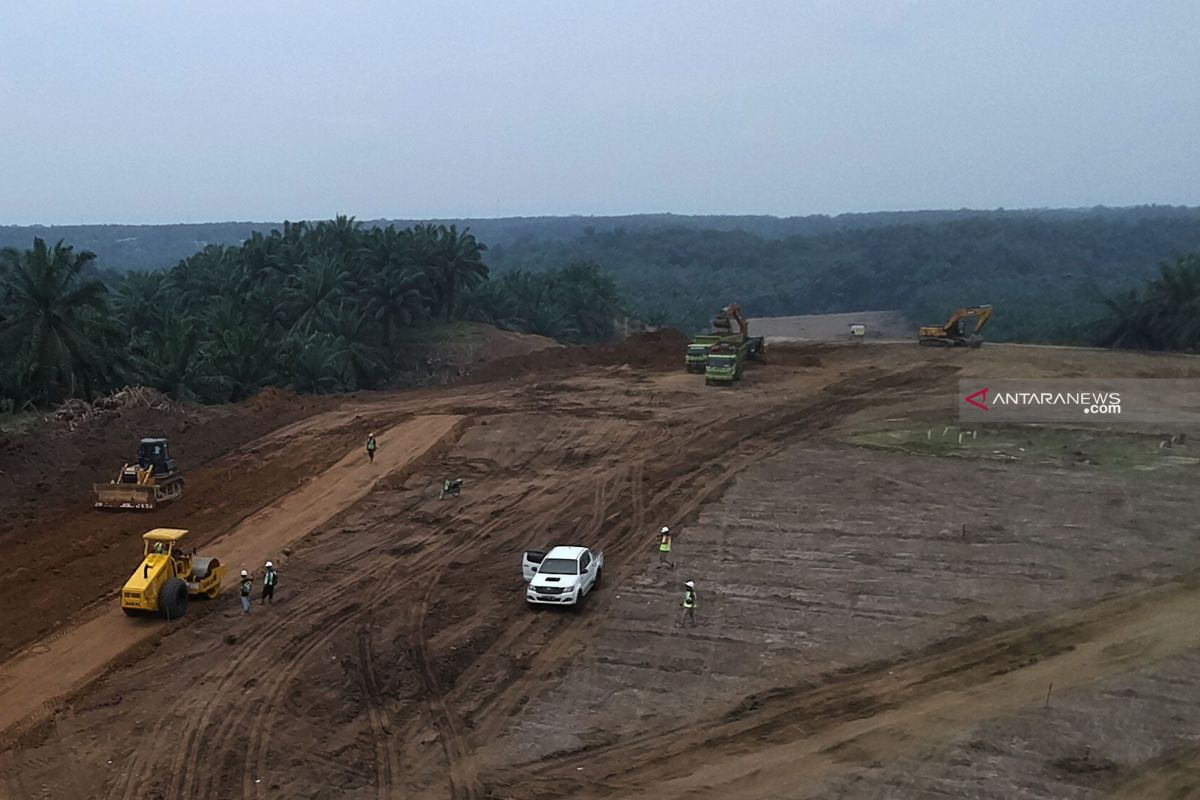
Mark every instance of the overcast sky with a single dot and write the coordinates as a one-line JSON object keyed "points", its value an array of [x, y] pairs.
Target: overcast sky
{"points": [[207, 111]]}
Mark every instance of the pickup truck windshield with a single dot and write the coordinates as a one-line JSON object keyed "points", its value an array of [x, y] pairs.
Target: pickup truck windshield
{"points": [[558, 566]]}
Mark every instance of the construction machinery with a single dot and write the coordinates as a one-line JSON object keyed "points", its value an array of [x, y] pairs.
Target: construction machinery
{"points": [[149, 482], [726, 362], [697, 350], [168, 576], [727, 359], [722, 334], [953, 333]]}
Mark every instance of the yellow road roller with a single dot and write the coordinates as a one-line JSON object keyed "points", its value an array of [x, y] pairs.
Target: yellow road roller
{"points": [[168, 576]]}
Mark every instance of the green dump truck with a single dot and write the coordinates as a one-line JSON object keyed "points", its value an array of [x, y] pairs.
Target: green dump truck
{"points": [[697, 350], [727, 360]]}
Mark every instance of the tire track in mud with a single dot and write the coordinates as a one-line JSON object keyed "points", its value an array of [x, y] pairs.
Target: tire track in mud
{"points": [[496, 709], [457, 746], [691, 464], [856, 708], [772, 431], [387, 760], [198, 751]]}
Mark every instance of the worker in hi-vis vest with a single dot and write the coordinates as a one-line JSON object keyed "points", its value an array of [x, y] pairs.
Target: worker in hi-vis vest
{"points": [[270, 578], [664, 547], [246, 587], [689, 604]]}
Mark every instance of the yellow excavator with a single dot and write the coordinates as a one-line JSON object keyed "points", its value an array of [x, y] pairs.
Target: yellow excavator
{"points": [[728, 314], [953, 333], [146, 484], [733, 313], [168, 575]]}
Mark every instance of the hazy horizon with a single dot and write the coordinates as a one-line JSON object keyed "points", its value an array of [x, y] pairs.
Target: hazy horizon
{"points": [[141, 114]]}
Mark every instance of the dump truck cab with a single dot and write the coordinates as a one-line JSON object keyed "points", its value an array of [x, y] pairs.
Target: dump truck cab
{"points": [[168, 575], [697, 350], [726, 362]]}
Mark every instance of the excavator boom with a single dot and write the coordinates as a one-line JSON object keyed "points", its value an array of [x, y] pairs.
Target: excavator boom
{"points": [[731, 312]]}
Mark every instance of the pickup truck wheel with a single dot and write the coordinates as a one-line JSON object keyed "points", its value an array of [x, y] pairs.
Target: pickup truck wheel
{"points": [[599, 579]]}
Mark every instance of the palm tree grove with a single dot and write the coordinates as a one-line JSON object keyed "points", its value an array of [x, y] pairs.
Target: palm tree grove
{"points": [[312, 308]]}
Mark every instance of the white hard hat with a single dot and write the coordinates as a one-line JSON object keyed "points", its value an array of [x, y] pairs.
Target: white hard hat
{"points": [[690, 584], [244, 573], [269, 565], [665, 529]]}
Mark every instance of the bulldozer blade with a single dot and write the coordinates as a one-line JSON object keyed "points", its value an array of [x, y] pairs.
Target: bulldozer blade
{"points": [[122, 495]]}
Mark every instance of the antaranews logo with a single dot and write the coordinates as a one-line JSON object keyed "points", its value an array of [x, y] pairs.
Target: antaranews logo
{"points": [[978, 399], [1050, 399]]}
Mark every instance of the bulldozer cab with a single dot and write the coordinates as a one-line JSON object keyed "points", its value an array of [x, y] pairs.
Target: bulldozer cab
{"points": [[153, 453]]}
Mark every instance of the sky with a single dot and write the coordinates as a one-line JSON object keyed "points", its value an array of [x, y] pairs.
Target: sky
{"points": [[158, 112]]}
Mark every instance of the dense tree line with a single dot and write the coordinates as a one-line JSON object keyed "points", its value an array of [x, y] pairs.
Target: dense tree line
{"points": [[1162, 315], [1045, 277], [144, 247], [312, 307]]}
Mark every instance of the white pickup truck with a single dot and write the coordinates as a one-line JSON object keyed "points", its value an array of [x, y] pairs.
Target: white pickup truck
{"points": [[561, 576]]}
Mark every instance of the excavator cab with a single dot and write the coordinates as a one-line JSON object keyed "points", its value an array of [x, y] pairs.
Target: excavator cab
{"points": [[954, 332]]}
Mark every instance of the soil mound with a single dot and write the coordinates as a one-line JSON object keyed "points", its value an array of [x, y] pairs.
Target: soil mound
{"points": [[497, 344], [658, 349], [54, 463]]}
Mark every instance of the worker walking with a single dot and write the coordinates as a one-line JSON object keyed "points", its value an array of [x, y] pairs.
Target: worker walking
{"points": [[664, 548], [689, 604], [372, 446], [269, 579], [247, 586]]}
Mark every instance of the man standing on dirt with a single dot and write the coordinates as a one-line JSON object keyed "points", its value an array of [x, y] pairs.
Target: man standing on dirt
{"points": [[269, 578], [247, 587], [372, 446], [664, 548], [689, 604]]}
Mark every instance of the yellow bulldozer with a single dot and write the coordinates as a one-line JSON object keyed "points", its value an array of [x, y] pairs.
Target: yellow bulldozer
{"points": [[146, 484], [952, 333], [168, 576]]}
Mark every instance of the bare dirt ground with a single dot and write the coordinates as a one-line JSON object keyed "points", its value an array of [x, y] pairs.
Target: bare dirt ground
{"points": [[854, 639], [833, 327]]}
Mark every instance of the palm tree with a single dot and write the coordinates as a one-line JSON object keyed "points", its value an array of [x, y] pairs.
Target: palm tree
{"points": [[170, 359], [54, 317], [452, 261], [315, 362], [239, 362], [139, 301], [311, 296]]}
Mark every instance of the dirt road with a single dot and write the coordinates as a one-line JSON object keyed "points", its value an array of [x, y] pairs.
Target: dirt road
{"points": [[53, 669], [399, 661]]}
